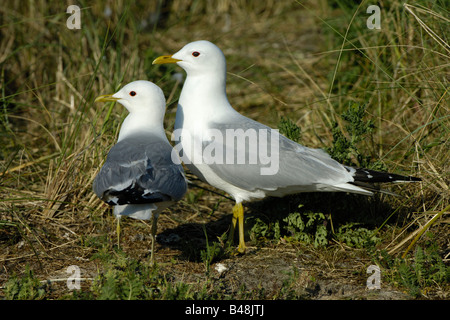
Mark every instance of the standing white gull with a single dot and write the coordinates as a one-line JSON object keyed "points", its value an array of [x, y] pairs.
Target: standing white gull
{"points": [[139, 177], [204, 114]]}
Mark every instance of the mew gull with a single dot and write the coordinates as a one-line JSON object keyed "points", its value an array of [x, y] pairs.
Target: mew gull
{"points": [[208, 129], [139, 177]]}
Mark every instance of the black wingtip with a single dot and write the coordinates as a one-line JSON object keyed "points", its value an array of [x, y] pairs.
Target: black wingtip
{"points": [[134, 195], [372, 176]]}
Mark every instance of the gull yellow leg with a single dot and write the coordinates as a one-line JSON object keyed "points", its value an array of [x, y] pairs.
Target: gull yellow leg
{"points": [[238, 217]]}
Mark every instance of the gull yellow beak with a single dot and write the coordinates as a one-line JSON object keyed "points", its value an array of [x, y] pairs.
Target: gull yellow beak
{"points": [[106, 98], [165, 59]]}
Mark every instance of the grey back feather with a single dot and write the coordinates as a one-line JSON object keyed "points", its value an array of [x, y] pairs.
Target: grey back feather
{"points": [[299, 167], [139, 169]]}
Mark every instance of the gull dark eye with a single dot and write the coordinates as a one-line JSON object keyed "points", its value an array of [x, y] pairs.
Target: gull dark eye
{"points": [[132, 93], [196, 54]]}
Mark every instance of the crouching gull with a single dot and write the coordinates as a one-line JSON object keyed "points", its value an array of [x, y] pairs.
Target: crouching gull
{"points": [[139, 177], [231, 152]]}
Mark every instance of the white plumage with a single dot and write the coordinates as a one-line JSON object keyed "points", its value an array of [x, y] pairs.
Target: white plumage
{"points": [[204, 111], [139, 177]]}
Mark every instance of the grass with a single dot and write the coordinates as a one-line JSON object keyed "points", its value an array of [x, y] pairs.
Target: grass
{"points": [[376, 98]]}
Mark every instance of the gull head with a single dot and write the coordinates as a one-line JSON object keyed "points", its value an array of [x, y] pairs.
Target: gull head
{"points": [[138, 96], [197, 58]]}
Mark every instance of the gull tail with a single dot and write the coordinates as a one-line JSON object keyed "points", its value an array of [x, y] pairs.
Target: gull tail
{"points": [[136, 211], [365, 178]]}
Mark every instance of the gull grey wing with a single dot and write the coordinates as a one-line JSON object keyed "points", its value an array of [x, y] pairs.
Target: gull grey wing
{"points": [[295, 167], [139, 169]]}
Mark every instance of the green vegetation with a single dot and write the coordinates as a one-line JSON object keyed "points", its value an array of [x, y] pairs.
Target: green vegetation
{"points": [[372, 98], [125, 278], [346, 149], [306, 227], [25, 287], [289, 129], [418, 275]]}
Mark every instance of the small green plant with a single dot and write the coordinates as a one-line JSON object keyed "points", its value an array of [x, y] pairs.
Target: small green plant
{"points": [[125, 279], [178, 291], [212, 252], [422, 271], [310, 227], [357, 237], [289, 129], [427, 269], [306, 227], [408, 279], [130, 279], [27, 287], [345, 148], [264, 230]]}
